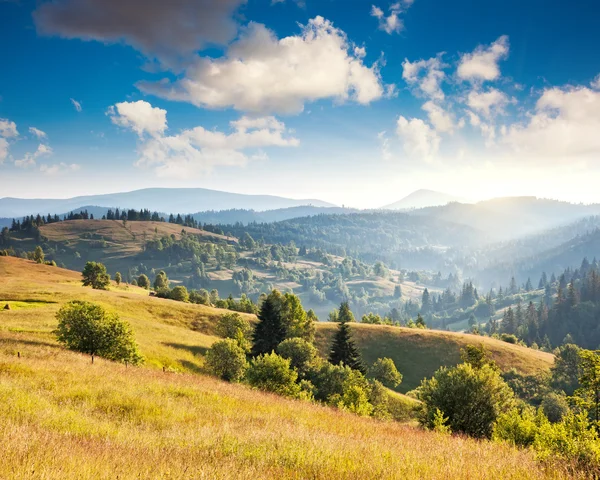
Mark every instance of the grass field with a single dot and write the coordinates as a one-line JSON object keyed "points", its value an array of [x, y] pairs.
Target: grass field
{"points": [[63, 417]]}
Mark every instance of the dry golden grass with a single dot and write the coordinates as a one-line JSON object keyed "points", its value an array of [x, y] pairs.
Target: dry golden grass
{"points": [[66, 418]]}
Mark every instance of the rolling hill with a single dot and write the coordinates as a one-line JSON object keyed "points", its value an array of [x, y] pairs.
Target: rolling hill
{"points": [[67, 418], [175, 200], [423, 198]]}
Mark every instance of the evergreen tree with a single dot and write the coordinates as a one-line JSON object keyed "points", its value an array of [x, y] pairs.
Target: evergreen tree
{"points": [[344, 313], [344, 350], [425, 302], [270, 330]]}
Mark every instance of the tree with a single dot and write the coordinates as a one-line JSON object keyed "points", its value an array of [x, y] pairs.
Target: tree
{"points": [[296, 320], [86, 327], [420, 323], [476, 356], [161, 281], [344, 313], [471, 398], [566, 369], [38, 255], [270, 330], [299, 352], [143, 281], [94, 275], [589, 380], [397, 291], [118, 278], [180, 293], [227, 360], [385, 371], [235, 327], [273, 373], [425, 302], [344, 350]]}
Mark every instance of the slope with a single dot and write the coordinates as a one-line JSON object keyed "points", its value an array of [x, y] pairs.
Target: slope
{"points": [[423, 198]]}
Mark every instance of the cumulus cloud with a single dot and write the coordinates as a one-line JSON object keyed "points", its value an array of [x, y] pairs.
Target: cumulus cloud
{"points": [[263, 74], [489, 102], [59, 168], [29, 159], [427, 75], [564, 124], [38, 133], [392, 23], [197, 150], [482, 64], [3, 150], [595, 83], [8, 129], [419, 139], [140, 116], [440, 119], [158, 28], [76, 104]]}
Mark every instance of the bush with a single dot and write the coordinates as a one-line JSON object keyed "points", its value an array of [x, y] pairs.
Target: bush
{"points": [[180, 294], [85, 327], [143, 281], [227, 360], [509, 338], [471, 398], [384, 370], [299, 352], [273, 373], [118, 278], [555, 407], [236, 327], [95, 276]]}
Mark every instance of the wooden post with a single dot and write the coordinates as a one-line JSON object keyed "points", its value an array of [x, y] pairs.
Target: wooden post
{"points": [[19, 354], [92, 358], [163, 369]]}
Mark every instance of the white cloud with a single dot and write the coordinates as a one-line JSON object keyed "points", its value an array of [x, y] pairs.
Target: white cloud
{"points": [[29, 159], [140, 116], [482, 64], [3, 150], [159, 28], [386, 153], [59, 168], [439, 118], [419, 139], [595, 83], [76, 104], [8, 129], [198, 150], [490, 102], [38, 133], [564, 125], [392, 23], [430, 82], [261, 73]]}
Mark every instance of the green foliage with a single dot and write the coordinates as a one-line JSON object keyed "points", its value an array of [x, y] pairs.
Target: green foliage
{"points": [[471, 398], [118, 278], [161, 281], [273, 373], [143, 281], [95, 276], [38, 255], [179, 293], [384, 370], [270, 330], [588, 394], [344, 350], [299, 352], [235, 327], [566, 369], [476, 356], [85, 327], [555, 406], [439, 423], [227, 360]]}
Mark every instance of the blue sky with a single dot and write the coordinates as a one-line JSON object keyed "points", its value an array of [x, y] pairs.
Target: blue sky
{"points": [[358, 103]]}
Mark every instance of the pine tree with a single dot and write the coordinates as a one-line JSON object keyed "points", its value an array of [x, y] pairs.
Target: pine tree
{"points": [[425, 302], [344, 350], [270, 330]]}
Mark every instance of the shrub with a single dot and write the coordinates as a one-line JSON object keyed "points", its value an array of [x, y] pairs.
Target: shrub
{"points": [[236, 327], [273, 373], [95, 276], [87, 328], [143, 281], [180, 294], [118, 278], [471, 398], [555, 406], [227, 360], [299, 352], [384, 370], [509, 338]]}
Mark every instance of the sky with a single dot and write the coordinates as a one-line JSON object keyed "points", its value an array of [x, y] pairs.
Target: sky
{"points": [[354, 102]]}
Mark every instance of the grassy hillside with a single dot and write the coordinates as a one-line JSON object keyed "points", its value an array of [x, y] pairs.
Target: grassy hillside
{"points": [[64, 417], [419, 353]]}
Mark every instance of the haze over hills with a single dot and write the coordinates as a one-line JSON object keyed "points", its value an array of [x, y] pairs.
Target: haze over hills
{"points": [[179, 200], [423, 198]]}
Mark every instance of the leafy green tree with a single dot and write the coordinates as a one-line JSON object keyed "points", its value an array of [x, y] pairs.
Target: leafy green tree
{"points": [[161, 281], [296, 320], [273, 373], [588, 393], [476, 356], [143, 281], [179, 293], [227, 360], [94, 275], [555, 406], [471, 399], [235, 327], [299, 352], [385, 371], [118, 278], [420, 323], [344, 350], [86, 327], [566, 369], [270, 330], [38, 255]]}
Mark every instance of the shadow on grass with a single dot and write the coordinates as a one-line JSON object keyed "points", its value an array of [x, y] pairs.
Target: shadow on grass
{"points": [[191, 367], [194, 349], [35, 343]]}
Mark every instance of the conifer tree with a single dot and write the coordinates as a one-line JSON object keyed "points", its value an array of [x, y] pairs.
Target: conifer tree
{"points": [[343, 349], [270, 330]]}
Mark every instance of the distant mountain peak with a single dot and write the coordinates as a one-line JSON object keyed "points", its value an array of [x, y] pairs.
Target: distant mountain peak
{"points": [[424, 198]]}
